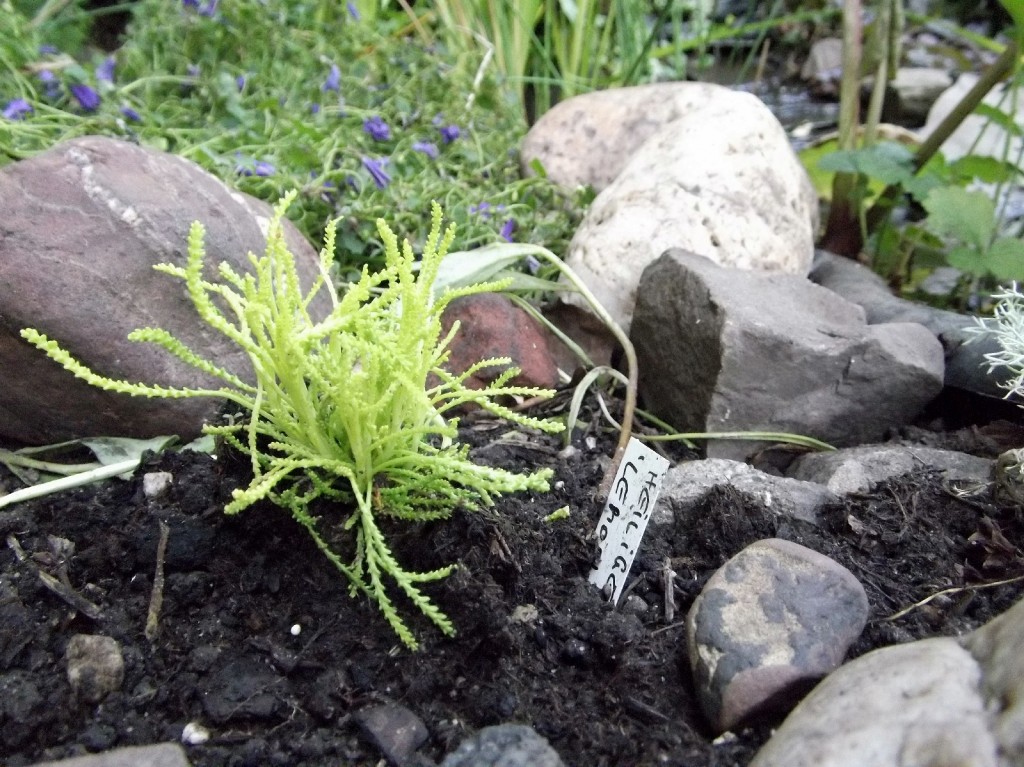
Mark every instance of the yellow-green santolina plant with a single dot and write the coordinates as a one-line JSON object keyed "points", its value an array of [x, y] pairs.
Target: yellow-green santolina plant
{"points": [[351, 408]]}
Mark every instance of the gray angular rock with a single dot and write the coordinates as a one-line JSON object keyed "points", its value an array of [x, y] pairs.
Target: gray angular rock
{"points": [[931, 703], [686, 483], [857, 469], [84, 223], [158, 755], [768, 624], [998, 647], [964, 351], [724, 350], [395, 730], [95, 666], [504, 745], [912, 705]]}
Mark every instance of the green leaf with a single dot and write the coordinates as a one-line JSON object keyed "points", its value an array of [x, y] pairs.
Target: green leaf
{"points": [[967, 216], [887, 162], [997, 116], [1016, 10], [1005, 259], [967, 259], [989, 170], [110, 450], [471, 267]]}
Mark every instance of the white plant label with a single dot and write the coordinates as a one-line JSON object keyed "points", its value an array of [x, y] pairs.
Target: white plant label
{"points": [[624, 518]]}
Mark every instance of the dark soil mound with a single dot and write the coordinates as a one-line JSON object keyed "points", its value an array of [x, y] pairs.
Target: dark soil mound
{"points": [[535, 644]]}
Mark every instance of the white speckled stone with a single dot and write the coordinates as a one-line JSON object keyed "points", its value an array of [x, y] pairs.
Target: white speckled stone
{"points": [[714, 174]]}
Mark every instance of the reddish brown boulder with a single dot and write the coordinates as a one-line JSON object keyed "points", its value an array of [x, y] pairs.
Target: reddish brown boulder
{"points": [[491, 325], [84, 223]]}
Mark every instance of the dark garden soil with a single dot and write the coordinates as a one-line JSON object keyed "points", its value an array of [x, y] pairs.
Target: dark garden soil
{"points": [[605, 687]]}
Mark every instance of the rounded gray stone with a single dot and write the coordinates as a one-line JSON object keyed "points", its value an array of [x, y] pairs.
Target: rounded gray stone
{"points": [[504, 745], [768, 624]]}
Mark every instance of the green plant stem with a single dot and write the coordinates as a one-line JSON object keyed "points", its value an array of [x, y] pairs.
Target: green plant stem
{"points": [[842, 233], [64, 483], [632, 375]]}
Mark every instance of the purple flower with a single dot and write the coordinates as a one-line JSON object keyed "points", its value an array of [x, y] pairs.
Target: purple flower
{"points": [[449, 133], [209, 9], [105, 71], [240, 82], [352, 10], [314, 108], [190, 4], [427, 147], [16, 109], [333, 81], [49, 50], [50, 82], [376, 170], [131, 114], [484, 209], [247, 166], [377, 128], [532, 264], [86, 96], [507, 228]]}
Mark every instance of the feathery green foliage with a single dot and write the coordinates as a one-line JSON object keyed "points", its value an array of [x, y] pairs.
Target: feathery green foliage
{"points": [[351, 408]]}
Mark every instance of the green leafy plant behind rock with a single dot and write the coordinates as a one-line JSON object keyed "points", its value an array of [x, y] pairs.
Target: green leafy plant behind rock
{"points": [[350, 409]]}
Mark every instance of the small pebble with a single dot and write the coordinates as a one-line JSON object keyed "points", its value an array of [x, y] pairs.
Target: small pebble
{"points": [[156, 483], [194, 734]]}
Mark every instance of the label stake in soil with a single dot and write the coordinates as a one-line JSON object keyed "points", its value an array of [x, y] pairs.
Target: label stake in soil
{"points": [[631, 500]]}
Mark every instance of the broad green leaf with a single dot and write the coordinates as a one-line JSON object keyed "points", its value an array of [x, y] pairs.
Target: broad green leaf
{"points": [[998, 117], [1016, 10], [887, 162], [1005, 259], [469, 267], [967, 216], [967, 260], [109, 450], [989, 170]]}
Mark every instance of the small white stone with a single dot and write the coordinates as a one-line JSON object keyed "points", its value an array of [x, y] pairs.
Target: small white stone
{"points": [[194, 734], [155, 483], [296, 630]]}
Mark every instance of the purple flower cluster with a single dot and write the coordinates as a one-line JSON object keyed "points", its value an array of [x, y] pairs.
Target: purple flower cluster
{"points": [[105, 71], [333, 81], [86, 96], [426, 147], [376, 170], [449, 133], [16, 109], [377, 129], [247, 166], [208, 9]]}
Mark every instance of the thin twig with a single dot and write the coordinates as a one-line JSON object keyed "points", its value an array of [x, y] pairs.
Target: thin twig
{"points": [[64, 591], [955, 590], [156, 597]]}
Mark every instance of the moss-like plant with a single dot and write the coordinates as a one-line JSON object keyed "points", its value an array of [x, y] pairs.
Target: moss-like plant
{"points": [[351, 408]]}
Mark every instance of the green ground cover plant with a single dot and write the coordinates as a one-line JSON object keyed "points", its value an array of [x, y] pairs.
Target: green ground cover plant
{"points": [[353, 110], [352, 411], [962, 201]]}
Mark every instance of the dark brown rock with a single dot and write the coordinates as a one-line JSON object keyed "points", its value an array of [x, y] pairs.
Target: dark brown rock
{"points": [[84, 223]]}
